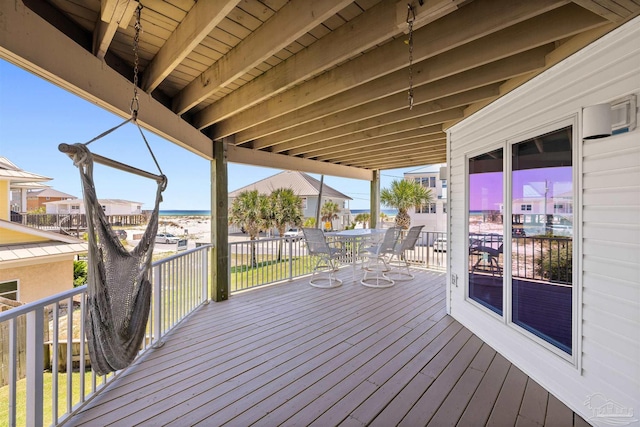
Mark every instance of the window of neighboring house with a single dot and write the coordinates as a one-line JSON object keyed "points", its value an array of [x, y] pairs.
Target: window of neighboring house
{"points": [[421, 209], [138, 207], [432, 181], [75, 207], [525, 207], [47, 198], [304, 203], [432, 208], [9, 290], [444, 208]]}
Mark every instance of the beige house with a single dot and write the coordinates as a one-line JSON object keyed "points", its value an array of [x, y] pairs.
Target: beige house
{"points": [[308, 188], [33, 263]]}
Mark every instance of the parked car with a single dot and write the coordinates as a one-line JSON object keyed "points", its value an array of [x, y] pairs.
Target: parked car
{"points": [[166, 238], [293, 234], [440, 244], [122, 234]]}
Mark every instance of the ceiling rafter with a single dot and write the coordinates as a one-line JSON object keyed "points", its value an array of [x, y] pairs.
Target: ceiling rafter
{"points": [[293, 20], [474, 21], [493, 47], [373, 27], [199, 22], [114, 14], [394, 116], [391, 147], [382, 134], [325, 93]]}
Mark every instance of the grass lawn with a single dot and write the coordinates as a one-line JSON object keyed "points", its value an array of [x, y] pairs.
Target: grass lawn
{"points": [[21, 399]]}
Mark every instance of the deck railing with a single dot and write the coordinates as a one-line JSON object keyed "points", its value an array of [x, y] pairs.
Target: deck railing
{"points": [[48, 334], [261, 262]]}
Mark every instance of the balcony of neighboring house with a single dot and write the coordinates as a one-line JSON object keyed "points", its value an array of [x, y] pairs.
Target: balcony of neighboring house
{"points": [[284, 354]]}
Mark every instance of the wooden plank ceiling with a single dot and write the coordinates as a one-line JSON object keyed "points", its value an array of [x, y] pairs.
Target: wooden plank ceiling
{"points": [[328, 80]]}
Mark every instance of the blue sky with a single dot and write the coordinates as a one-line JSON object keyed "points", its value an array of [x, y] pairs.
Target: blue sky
{"points": [[36, 116]]}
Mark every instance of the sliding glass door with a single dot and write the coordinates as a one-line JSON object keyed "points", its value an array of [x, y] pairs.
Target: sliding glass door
{"points": [[486, 261], [542, 251], [535, 219]]}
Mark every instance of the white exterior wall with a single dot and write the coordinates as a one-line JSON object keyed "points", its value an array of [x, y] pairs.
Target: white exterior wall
{"points": [[606, 217], [431, 221]]}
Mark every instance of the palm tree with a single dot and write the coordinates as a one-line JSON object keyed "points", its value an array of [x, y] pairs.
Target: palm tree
{"points": [[403, 195], [250, 210], [286, 209], [363, 218], [329, 211]]}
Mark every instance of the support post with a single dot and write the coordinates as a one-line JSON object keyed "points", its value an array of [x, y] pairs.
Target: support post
{"points": [[219, 223], [375, 199]]}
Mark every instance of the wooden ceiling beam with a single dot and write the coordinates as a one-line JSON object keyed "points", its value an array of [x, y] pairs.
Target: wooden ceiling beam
{"points": [[396, 148], [114, 14], [291, 22], [609, 10], [373, 137], [313, 132], [401, 119], [415, 160], [497, 71], [372, 27], [397, 151], [203, 17], [567, 20], [566, 49], [278, 161], [471, 22], [366, 162]]}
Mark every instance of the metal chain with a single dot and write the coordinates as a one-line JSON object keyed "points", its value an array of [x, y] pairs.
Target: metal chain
{"points": [[135, 104], [411, 17]]}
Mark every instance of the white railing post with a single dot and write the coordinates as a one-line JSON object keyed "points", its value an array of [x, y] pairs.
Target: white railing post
{"points": [[13, 371], [157, 308], [291, 258], [204, 262], [35, 357]]}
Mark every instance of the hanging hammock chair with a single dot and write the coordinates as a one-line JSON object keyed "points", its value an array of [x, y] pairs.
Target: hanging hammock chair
{"points": [[118, 288]]}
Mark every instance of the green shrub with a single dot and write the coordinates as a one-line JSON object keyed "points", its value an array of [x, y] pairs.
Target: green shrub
{"points": [[556, 263], [79, 273]]}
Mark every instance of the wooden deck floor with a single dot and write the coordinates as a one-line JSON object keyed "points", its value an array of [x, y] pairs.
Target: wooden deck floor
{"points": [[295, 355]]}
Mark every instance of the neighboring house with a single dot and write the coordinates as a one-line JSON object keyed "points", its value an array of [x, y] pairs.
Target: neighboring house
{"points": [[17, 183], [574, 329], [33, 263], [432, 215], [308, 188], [38, 198], [110, 206]]}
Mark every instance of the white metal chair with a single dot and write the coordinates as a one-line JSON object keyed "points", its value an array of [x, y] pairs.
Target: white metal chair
{"points": [[398, 258], [328, 259], [376, 260]]}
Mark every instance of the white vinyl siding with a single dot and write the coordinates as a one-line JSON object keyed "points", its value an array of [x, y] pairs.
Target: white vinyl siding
{"points": [[606, 213]]}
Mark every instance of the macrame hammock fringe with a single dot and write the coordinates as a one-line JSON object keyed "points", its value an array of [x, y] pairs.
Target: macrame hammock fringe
{"points": [[118, 287]]}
